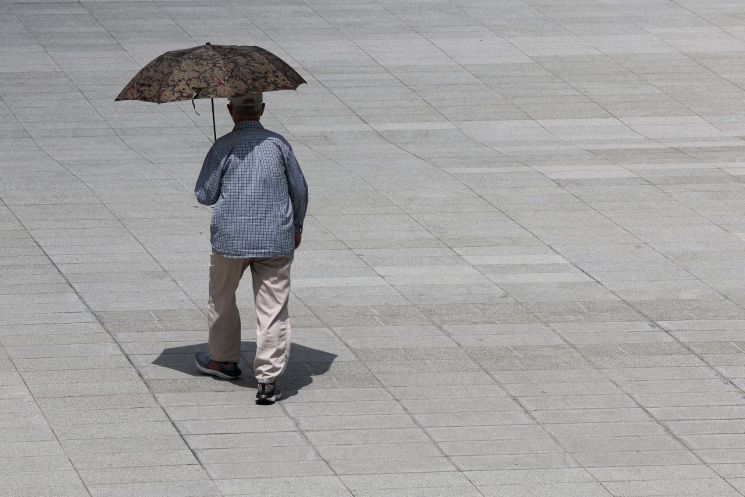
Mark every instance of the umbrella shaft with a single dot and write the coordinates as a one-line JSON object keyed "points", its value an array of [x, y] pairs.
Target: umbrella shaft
{"points": [[214, 129]]}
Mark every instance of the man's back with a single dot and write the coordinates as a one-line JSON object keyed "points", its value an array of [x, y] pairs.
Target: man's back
{"points": [[258, 191]]}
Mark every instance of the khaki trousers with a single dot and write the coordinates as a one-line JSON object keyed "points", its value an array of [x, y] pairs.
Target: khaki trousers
{"points": [[271, 287]]}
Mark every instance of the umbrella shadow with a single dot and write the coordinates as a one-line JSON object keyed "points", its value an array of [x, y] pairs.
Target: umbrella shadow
{"points": [[304, 364]]}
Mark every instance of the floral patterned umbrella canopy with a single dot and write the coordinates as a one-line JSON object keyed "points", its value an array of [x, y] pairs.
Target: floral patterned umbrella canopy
{"points": [[210, 71]]}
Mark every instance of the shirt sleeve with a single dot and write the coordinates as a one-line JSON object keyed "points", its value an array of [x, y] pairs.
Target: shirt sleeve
{"points": [[297, 186], [209, 183]]}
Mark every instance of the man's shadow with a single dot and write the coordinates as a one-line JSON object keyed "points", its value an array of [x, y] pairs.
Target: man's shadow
{"points": [[304, 364]]}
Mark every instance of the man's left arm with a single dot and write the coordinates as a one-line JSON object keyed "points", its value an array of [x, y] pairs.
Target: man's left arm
{"points": [[209, 183]]}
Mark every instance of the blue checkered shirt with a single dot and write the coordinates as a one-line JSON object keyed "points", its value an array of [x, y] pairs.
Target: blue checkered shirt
{"points": [[254, 183]]}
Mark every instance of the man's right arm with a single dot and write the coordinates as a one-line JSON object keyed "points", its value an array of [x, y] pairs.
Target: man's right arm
{"points": [[298, 189], [207, 189]]}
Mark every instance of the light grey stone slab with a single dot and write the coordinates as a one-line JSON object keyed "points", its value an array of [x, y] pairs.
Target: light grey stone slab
{"points": [[515, 461], [519, 446], [202, 488], [714, 486], [410, 492], [278, 455], [238, 440], [359, 422], [557, 489], [216, 426], [650, 458], [473, 418], [426, 379], [61, 417], [387, 465], [362, 436], [298, 485], [529, 476], [73, 390], [44, 484], [116, 476], [548, 389], [343, 408], [114, 430], [35, 464], [258, 469], [144, 458], [379, 451]]}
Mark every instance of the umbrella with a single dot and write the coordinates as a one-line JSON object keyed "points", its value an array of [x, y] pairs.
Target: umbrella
{"points": [[210, 71]]}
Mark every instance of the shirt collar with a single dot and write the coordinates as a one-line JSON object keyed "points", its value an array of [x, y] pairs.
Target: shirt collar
{"points": [[249, 125]]}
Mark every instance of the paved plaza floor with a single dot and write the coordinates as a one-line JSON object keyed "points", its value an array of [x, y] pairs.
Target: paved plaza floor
{"points": [[523, 272]]}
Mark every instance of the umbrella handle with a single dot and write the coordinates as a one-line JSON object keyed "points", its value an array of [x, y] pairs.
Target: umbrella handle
{"points": [[212, 104], [193, 104]]}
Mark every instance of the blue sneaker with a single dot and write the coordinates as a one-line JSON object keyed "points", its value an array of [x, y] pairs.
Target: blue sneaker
{"points": [[223, 370]]}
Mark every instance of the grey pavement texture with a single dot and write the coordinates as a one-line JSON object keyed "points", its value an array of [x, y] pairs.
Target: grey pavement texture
{"points": [[523, 272]]}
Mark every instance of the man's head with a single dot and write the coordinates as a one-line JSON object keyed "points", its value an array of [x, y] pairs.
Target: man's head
{"points": [[246, 107]]}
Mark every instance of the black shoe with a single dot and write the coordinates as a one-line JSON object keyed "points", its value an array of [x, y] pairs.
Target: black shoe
{"points": [[267, 393], [224, 370]]}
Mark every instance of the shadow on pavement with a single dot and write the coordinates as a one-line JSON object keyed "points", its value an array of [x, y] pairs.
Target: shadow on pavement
{"points": [[305, 363]]}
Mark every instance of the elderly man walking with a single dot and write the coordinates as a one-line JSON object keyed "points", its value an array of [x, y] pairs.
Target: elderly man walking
{"points": [[259, 196]]}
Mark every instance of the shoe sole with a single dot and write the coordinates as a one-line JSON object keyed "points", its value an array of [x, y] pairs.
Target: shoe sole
{"points": [[217, 374], [270, 400]]}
